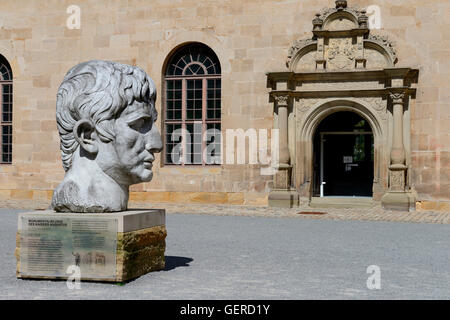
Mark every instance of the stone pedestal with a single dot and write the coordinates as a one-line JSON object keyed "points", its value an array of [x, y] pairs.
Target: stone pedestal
{"points": [[282, 195], [111, 247], [283, 198], [398, 200]]}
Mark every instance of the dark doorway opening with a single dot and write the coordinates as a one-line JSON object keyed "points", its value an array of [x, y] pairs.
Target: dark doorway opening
{"points": [[343, 156]]}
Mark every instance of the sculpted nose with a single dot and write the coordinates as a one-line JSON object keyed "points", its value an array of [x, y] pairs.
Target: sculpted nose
{"points": [[154, 142]]}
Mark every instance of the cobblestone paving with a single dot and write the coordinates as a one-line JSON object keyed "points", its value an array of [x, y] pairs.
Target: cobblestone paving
{"points": [[361, 214]]}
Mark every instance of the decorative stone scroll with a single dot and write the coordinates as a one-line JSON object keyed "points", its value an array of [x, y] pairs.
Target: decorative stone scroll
{"points": [[342, 41]]}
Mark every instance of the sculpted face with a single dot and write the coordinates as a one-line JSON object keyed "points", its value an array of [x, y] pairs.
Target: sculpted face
{"points": [[106, 120], [128, 158]]}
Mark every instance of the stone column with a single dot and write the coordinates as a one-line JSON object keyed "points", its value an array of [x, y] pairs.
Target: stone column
{"points": [[281, 195], [397, 167], [397, 198], [282, 104]]}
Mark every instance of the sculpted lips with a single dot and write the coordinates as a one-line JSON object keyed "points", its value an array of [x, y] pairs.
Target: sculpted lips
{"points": [[148, 163]]}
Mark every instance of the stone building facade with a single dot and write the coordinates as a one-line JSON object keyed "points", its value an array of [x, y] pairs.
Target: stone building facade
{"points": [[288, 65]]}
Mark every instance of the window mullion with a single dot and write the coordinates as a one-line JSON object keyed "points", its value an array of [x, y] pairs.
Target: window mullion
{"points": [[204, 104], [183, 120]]}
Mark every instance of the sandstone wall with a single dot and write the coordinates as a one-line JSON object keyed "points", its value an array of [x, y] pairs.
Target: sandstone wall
{"points": [[250, 38]]}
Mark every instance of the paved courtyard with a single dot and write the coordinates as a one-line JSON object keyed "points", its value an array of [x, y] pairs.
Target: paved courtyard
{"points": [[286, 256], [362, 214]]}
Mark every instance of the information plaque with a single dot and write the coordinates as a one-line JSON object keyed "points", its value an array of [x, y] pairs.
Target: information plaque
{"points": [[50, 244]]}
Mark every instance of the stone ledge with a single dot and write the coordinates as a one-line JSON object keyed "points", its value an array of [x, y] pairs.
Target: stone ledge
{"points": [[41, 199], [433, 205]]}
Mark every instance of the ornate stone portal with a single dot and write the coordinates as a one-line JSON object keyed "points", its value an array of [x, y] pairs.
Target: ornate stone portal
{"points": [[343, 67]]}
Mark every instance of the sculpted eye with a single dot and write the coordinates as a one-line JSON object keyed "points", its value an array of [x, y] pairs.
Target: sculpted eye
{"points": [[142, 125]]}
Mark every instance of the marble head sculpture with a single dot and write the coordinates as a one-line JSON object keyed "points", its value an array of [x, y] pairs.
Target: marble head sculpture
{"points": [[106, 116]]}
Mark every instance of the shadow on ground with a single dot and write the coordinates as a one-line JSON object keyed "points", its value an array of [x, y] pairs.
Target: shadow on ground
{"points": [[173, 262]]}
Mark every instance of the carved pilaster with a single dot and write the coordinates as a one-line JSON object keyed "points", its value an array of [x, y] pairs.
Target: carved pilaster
{"points": [[398, 150], [397, 169], [281, 195], [282, 106], [320, 59], [360, 61]]}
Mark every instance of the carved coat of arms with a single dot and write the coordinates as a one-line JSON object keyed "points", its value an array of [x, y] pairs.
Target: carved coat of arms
{"points": [[341, 53]]}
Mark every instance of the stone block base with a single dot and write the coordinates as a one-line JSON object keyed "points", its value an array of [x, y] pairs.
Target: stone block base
{"points": [[110, 247], [344, 202], [283, 198], [401, 201], [433, 205]]}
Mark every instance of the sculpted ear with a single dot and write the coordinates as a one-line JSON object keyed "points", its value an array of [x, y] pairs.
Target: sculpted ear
{"points": [[84, 134]]}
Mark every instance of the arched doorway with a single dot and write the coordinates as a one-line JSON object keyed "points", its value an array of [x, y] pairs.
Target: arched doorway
{"points": [[343, 156]]}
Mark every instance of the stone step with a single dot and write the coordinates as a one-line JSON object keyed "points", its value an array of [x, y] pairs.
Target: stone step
{"points": [[342, 202]]}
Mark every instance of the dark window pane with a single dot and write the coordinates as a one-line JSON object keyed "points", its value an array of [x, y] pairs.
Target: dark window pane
{"points": [[169, 105], [5, 72], [178, 71]]}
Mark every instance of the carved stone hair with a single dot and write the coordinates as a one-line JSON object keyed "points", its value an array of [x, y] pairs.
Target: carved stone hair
{"points": [[98, 91]]}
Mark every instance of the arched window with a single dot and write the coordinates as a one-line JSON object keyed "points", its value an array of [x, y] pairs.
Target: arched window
{"points": [[192, 106], [6, 111]]}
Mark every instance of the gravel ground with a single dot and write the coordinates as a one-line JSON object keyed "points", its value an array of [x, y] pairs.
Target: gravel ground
{"points": [[255, 257]]}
